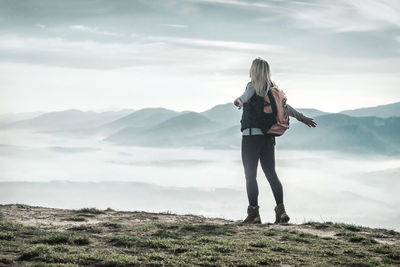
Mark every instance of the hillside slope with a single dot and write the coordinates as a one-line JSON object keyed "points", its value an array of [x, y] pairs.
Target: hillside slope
{"points": [[176, 131], [224, 114], [37, 235], [346, 133], [382, 111], [67, 119]]}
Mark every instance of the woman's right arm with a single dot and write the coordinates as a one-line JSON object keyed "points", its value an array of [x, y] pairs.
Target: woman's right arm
{"points": [[300, 116], [292, 112]]}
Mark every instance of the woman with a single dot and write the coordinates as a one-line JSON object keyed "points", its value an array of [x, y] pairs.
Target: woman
{"points": [[257, 146]]}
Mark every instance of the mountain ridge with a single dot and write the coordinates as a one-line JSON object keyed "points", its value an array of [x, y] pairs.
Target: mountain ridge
{"points": [[384, 111], [219, 128], [212, 113]]}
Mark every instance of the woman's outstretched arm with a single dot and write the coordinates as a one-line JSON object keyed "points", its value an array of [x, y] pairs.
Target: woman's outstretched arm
{"points": [[300, 116], [248, 93]]}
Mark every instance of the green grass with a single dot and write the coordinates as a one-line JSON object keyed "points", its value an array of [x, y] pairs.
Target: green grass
{"points": [[76, 219], [156, 243], [357, 238], [87, 228], [112, 225], [54, 238], [90, 211]]}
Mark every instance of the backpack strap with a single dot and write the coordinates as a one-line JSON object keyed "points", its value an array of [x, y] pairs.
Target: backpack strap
{"points": [[273, 102]]}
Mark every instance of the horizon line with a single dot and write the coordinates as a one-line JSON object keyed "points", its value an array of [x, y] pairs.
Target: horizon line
{"points": [[185, 110]]}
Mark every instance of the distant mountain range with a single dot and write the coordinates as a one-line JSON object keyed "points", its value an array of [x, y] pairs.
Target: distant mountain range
{"points": [[181, 130], [12, 117], [311, 112], [382, 111], [346, 133], [65, 120], [219, 127]]}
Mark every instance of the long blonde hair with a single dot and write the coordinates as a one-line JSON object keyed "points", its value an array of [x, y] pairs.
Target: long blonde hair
{"points": [[260, 75]]}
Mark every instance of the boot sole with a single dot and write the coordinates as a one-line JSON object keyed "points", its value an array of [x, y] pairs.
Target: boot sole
{"points": [[255, 221], [284, 220]]}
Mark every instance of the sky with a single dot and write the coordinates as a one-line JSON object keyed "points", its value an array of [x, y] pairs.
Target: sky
{"points": [[195, 54]]}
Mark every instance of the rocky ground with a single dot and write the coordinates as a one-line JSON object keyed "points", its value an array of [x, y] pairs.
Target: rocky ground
{"points": [[39, 236]]}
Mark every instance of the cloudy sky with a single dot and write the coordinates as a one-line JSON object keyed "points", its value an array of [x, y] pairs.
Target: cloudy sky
{"points": [[194, 54]]}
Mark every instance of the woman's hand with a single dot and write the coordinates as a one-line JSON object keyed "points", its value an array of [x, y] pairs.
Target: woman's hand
{"points": [[238, 103], [310, 122]]}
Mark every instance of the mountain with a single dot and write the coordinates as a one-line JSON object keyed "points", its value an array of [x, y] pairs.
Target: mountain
{"points": [[333, 132], [188, 123], [227, 138], [67, 119], [345, 133], [311, 112], [136, 120], [219, 127], [224, 114], [383, 111], [181, 130], [229, 115], [143, 118], [12, 117]]}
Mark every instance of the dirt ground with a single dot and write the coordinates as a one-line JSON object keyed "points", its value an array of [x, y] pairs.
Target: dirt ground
{"points": [[60, 220]]}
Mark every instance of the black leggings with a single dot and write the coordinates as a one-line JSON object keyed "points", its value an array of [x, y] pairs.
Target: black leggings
{"points": [[254, 148]]}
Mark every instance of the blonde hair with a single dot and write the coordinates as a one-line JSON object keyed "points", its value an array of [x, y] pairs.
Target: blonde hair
{"points": [[260, 75]]}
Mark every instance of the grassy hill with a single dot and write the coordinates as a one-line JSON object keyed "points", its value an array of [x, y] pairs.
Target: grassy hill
{"points": [[55, 237]]}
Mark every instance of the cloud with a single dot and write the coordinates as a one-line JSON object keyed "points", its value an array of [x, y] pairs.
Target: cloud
{"points": [[337, 16], [346, 16], [41, 26], [219, 44], [235, 3], [175, 25], [133, 51], [92, 30], [204, 46]]}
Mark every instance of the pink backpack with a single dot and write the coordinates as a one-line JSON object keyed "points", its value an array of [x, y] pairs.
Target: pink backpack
{"points": [[282, 117]]}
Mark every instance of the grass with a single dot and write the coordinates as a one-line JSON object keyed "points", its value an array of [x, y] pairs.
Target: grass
{"points": [[90, 211], [112, 225], [54, 238], [157, 243], [76, 219], [86, 228]]}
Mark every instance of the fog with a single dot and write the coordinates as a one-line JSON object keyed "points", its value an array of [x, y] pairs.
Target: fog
{"points": [[52, 171]]}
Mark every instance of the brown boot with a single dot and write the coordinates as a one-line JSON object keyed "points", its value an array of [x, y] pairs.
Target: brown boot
{"points": [[280, 214], [253, 215]]}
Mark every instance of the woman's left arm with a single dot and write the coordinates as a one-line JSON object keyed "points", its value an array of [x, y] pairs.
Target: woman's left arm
{"points": [[300, 116], [248, 93]]}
